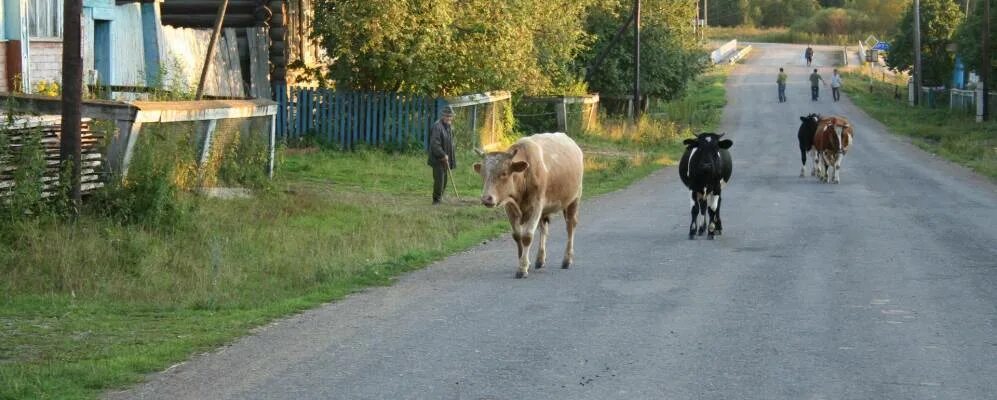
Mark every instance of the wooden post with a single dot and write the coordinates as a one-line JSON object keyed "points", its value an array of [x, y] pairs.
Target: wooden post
{"points": [[209, 132], [636, 115], [474, 121], [219, 19], [917, 52], [561, 109], [272, 144], [72, 93], [986, 64]]}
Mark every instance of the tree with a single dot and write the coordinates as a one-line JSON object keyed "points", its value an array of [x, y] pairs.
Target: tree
{"points": [[449, 48], [728, 12], [670, 56], [883, 15], [968, 37], [784, 13], [939, 20]]}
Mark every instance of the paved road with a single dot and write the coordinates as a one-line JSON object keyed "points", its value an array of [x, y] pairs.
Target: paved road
{"points": [[881, 287]]}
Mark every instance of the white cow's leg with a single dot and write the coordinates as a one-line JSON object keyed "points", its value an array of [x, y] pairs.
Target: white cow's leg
{"points": [[571, 220], [528, 227], [837, 168], [542, 246], [515, 218], [714, 204], [695, 213]]}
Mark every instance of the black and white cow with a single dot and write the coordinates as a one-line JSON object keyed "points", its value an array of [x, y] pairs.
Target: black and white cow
{"points": [[705, 169], [806, 136]]}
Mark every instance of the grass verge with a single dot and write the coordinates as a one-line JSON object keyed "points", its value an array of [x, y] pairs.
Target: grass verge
{"points": [[953, 135], [97, 304]]}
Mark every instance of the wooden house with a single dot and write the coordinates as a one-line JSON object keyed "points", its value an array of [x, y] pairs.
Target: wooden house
{"points": [[129, 45]]}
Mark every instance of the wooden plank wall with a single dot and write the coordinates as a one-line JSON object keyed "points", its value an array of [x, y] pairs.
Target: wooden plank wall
{"points": [[185, 49], [259, 65]]}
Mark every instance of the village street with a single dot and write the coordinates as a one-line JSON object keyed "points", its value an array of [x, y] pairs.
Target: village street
{"points": [[881, 287]]}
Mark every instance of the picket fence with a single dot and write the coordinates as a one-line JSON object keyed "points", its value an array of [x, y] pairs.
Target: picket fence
{"points": [[349, 119]]}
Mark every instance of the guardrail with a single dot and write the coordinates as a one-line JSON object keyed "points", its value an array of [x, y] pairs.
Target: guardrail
{"points": [[718, 55], [739, 54]]}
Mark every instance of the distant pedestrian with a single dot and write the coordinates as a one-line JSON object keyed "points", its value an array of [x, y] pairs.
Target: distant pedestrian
{"points": [[441, 152], [809, 55], [781, 81], [836, 85], [815, 80]]}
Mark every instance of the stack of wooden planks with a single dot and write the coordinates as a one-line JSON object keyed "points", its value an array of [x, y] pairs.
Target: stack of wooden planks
{"points": [[19, 131]]}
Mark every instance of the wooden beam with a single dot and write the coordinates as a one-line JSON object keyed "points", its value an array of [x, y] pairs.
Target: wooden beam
{"points": [[211, 49], [480, 98]]}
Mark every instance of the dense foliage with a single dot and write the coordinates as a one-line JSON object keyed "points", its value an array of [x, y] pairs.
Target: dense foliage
{"points": [[969, 37], [939, 20], [670, 56], [526, 46]]}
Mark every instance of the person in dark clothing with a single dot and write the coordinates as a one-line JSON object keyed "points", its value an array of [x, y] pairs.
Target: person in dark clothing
{"points": [[815, 81], [441, 152], [809, 54]]}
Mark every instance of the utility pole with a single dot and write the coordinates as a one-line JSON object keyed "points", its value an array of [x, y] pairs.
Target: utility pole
{"points": [[636, 99], [72, 95], [219, 19], [986, 64], [917, 52]]}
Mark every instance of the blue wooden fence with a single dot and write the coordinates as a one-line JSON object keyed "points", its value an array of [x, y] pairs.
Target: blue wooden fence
{"points": [[350, 118]]}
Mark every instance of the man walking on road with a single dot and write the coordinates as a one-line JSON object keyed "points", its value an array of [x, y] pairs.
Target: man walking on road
{"points": [[815, 79], [441, 152], [781, 81], [836, 85], [809, 54]]}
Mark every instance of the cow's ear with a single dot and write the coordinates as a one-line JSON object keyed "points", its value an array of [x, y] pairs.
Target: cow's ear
{"points": [[690, 142], [519, 166], [726, 143], [477, 167]]}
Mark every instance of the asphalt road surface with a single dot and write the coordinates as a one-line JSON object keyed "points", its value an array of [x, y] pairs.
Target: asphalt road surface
{"points": [[881, 287]]}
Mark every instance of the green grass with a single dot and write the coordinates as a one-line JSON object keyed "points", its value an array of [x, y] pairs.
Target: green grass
{"points": [[96, 304], [952, 135]]}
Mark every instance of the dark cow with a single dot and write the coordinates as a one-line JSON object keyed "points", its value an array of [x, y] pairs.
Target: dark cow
{"points": [[536, 177], [832, 141], [705, 169], [806, 136]]}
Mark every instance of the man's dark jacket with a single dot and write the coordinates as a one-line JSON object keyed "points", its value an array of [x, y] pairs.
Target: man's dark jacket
{"points": [[441, 144]]}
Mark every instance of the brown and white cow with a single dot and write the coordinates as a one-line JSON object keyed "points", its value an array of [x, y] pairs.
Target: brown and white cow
{"points": [[537, 176], [832, 141]]}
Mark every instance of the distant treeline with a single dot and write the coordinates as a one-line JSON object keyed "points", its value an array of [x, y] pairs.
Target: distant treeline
{"points": [[530, 47]]}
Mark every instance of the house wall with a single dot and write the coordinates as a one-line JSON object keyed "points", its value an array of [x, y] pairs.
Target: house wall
{"points": [[127, 48], [3, 68], [46, 61], [127, 45]]}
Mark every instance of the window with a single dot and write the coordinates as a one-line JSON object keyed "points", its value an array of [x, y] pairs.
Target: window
{"points": [[45, 18]]}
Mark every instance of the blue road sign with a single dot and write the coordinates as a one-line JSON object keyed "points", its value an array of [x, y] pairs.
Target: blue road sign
{"points": [[881, 46]]}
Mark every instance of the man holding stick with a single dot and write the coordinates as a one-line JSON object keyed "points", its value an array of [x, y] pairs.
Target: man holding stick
{"points": [[441, 152]]}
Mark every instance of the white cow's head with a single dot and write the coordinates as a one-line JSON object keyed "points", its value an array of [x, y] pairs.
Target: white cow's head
{"points": [[500, 175]]}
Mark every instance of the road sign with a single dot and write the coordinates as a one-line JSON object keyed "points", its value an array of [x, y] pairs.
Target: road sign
{"points": [[881, 46]]}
